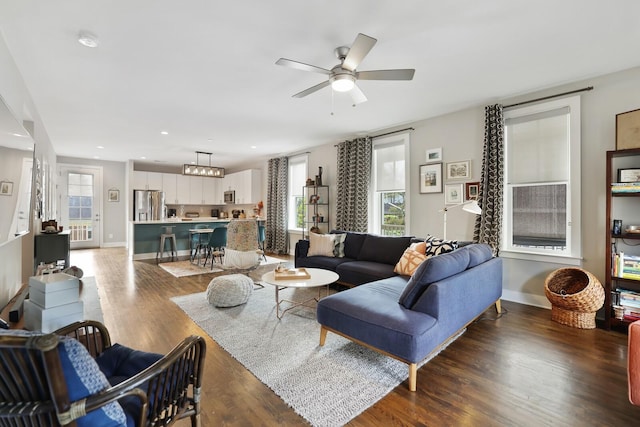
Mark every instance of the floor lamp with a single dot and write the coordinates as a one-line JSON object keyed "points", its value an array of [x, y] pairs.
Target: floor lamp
{"points": [[471, 206]]}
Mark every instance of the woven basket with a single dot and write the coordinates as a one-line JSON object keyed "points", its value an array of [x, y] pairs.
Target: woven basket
{"points": [[575, 296]]}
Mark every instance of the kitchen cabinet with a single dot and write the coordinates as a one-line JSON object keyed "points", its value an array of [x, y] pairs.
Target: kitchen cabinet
{"points": [[247, 185], [195, 190], [143, 180], [170, 188], [183, 189]]}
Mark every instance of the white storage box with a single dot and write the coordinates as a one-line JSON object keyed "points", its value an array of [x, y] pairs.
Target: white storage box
{"points": [[54, 299], [37, 318], [52, 290], [53, 282]]}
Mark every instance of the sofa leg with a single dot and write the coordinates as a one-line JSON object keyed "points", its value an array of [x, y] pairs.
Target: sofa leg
{"points": [[413, 376], [498, 307], [323, 335]]}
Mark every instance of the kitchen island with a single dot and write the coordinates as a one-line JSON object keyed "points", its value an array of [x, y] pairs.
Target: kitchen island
{"points": [[144, 236]]}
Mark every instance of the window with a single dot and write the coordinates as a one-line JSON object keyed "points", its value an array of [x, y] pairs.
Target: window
{"points": [[389, 177], [542, 179], [297, 180]]}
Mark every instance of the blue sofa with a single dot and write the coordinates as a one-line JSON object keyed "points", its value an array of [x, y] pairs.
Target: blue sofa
{"points": [[408, 318]]}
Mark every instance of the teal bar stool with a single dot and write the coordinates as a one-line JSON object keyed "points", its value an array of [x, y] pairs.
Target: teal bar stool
{"points": [[167, 234], [261, 239]]}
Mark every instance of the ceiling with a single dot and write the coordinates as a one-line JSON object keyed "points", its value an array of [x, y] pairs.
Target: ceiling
{"points": [[204, 71]]}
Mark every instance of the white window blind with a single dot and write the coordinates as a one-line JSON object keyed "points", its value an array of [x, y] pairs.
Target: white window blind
{"points": [[390, 164]]}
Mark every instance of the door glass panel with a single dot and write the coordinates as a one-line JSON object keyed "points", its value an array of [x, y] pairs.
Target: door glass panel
{"points": [[80, 191]]}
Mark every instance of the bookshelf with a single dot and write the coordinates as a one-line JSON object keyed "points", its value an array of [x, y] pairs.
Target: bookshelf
{"points": [[622, 272], [316, 200]]}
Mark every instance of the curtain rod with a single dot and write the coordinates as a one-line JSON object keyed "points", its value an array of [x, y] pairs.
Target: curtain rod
{"points": [[391, 133], [544, 98], [385, 134]]}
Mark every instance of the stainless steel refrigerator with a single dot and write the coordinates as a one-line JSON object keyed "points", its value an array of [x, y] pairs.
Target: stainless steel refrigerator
{"points": [[148, 205]]}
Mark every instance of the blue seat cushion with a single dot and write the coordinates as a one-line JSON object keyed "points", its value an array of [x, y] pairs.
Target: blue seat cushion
{"points": [[371, 313], [119, 363]]}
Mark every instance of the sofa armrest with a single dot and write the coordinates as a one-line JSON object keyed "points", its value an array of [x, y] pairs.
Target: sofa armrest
{"points": [[302, 248], [459, 299]]}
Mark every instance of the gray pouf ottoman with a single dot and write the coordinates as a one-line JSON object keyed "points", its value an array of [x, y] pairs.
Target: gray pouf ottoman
{"points": [[230, 290]]}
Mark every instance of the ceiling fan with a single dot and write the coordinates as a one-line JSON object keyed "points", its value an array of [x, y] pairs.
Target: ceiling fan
{"points": [[343, 76]]}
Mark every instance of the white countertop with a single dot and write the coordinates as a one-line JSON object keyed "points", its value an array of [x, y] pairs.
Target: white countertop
{"points": [[188, 220]]}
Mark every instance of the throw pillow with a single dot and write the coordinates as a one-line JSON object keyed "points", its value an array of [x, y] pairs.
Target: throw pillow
{"points": [[338, 245], [436, 246], [321, 244], [411, 259], [240, 259]]}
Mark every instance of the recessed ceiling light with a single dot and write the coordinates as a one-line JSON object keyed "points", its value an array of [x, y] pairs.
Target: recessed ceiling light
{"points": [[100, 147], [143, 158], [164, 132], [87, 39], [96, 157], [254, 147]]}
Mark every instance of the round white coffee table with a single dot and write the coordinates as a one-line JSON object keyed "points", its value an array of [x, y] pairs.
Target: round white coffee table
{"points": [[318, 279]]}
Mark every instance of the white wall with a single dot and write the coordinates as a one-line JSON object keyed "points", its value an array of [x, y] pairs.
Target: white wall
{"points": [[17, 256]]}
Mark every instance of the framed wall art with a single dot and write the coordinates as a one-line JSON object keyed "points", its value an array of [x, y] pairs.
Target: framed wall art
{"points": [[453, 194], [471, 190], [6, 188], [113, 195], [459, 170], [628, 130], [434, 155], [431, 178]]}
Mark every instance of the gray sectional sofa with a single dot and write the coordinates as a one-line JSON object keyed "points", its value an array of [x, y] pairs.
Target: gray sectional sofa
{"points": [[408, 318]]}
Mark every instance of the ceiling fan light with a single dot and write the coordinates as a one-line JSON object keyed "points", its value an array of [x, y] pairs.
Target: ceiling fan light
{"points": [[343, 83]]}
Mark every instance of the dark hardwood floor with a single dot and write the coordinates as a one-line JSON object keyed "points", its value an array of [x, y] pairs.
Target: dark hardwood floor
{"points": [[519, 370]]}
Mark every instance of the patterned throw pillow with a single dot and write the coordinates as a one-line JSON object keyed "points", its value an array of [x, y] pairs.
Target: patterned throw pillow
{"points": [[321, 244], [436, 246], [338, 245], [411, 259]]}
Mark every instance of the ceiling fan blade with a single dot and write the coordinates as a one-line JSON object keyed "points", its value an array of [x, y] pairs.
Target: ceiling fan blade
{"points": [[359, 49], [357, 95], [406, 74], [311, 89], [301, 66]]}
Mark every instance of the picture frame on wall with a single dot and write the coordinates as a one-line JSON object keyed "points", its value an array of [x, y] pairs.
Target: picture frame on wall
{"points": [[471, 190], [459, 170], [434, 155], [453, 194], [431, 178], [6, 188], [628, 130], [113, 195]]}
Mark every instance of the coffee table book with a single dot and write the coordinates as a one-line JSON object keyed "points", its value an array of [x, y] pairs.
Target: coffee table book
{"points": [[291, 274]]}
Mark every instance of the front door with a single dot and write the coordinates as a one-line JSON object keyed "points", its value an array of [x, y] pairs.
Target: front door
{"points": [[80, 204]]}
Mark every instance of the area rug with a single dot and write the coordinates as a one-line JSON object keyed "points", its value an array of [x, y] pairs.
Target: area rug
{"points": [[187, 268], [328, 386], [90, 299]]}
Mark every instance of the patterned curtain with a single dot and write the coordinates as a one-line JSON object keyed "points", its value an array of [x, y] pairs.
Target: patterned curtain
{"points": [[488, 225], [277, 230], [354, 176]]}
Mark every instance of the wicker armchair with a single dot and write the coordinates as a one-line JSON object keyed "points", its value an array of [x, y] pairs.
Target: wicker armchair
{"points": [[34, 391]]}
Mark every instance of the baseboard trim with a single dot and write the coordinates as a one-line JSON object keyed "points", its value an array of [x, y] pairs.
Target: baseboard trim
{"points": [[114, 245], [526, 299]]}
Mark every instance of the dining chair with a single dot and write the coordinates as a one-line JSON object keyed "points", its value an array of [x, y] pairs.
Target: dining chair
{"points": [[217, 243]]}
